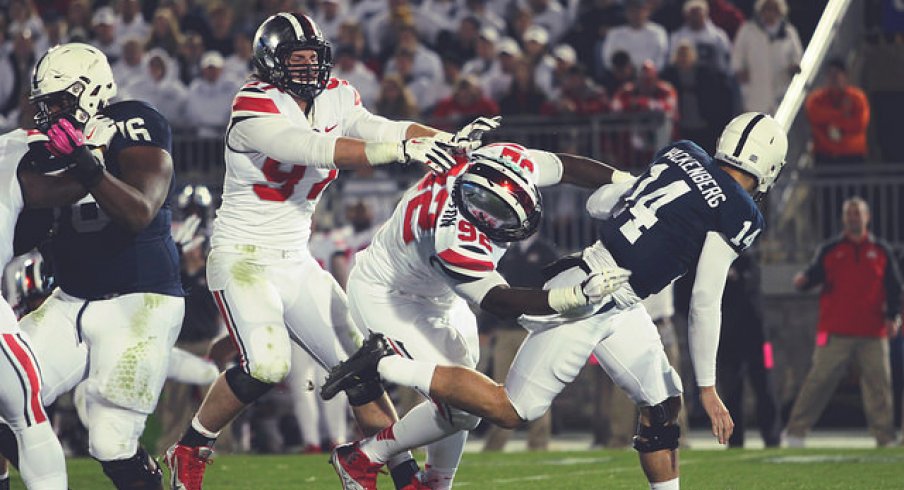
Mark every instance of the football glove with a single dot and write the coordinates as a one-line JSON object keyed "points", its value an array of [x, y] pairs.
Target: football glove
{"points": [[469, 137], [592, 290], [186, 235], [429, 152], [68, 142], [99, 131]]}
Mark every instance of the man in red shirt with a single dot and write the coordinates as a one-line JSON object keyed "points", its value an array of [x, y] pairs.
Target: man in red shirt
{"points": [[859, 308]]}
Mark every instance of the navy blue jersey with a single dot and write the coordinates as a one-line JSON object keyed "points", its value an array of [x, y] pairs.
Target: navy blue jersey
{"points": [[659, 226], [97, 258]]}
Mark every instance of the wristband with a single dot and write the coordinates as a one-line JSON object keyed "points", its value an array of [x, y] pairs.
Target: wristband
{"points": [[618, 177], [563, 300], [87, 169], [383, 153]]}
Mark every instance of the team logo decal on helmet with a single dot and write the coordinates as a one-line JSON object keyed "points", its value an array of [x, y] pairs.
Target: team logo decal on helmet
{"points": [[275, 41]]}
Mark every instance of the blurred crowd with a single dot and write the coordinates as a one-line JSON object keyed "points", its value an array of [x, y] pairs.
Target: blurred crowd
{"points": [[697, 61]]}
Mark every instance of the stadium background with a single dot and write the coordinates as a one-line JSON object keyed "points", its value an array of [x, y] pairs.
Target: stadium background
{"points": [[801, 211]]}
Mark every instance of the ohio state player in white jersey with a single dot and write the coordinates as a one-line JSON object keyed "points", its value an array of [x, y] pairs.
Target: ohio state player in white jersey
{"points": [[40, 457], [433, 257], [292, 127]]}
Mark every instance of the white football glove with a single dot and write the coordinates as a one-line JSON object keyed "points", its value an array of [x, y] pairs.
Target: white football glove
{"points": [[591, 291], [186, 235], [99, 131], [469, 137], [429, 152]]}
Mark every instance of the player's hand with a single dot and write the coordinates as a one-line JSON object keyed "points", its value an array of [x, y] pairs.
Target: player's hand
{"points": [[99, 131], [64, 139], [429, 152], [722, 424], [602, 283], [186, 235], [469, 137]]}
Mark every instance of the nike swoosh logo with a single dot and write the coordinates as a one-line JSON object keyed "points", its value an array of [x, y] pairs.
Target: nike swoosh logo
{"points": [[327, 130], [91, 133]]}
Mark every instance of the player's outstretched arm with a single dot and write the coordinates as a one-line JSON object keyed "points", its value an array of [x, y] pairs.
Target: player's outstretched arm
{"points": [[589, 173]]}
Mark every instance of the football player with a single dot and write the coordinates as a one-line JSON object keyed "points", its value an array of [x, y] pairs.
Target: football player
{"points": [[119, 302], [688, 209], [292, 127], [437, 253]]}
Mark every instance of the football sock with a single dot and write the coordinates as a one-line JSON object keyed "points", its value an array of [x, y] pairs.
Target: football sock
{"points": [[197, 435], [407, 372], [665, 485], [439, 478], [421, 425], [443, 457]]}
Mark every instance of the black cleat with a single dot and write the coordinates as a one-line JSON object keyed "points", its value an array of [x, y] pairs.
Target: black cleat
{"points": [[361, 366]]}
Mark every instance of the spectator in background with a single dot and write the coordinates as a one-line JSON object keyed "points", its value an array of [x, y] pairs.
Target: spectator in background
{"points": [[726, 16], [509, 55], [594, 21], [210, 98], [550, 15], [839, 116], [165, 32], [329, 16], [160, 87], [190, 52], [462, 44], [56, 31], [564, 57], [523, 96], [347, 66], [19, 64], [78, 18], [436, 16], [859, 308], [105, 35], [536, 52], [132, 67], [766, 56], [24, 16], [666, 13], [222, 29], [238, 65], [486, 64], [643, 39], [522, 266], [707, 98], [396, 101], [579, 96], [131, 21], [382, 29], [426, 63], [190, 15], [622, 72], [467, 101], [648, 93], [351, 34], [481, 10], [711, 43], [421, 87], [746, 353]]}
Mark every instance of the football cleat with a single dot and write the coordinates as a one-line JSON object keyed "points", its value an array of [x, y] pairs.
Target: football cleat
{"points": [[416, 484], [187, 466], [354, 468], [361, 366]]}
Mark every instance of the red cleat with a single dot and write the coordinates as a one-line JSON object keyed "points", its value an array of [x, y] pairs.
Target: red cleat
{"points": [[187, 465], [354, 468]]}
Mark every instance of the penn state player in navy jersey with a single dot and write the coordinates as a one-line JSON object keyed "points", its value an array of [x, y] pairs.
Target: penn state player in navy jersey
{"points": [[119, 305], [687, 210]]}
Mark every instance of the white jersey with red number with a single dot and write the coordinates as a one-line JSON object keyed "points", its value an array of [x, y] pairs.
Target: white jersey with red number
{"points": [[269, 200], [427, 245], [13, 146]]}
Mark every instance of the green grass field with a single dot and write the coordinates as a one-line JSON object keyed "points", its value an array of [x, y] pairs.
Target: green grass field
{"points": [[847, 469]]}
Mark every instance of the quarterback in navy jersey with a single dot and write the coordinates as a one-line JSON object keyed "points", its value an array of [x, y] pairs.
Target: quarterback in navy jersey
{"points": [[687, 210], [119, 304]]}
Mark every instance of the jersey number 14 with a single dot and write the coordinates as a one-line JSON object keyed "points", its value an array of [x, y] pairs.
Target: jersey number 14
{"points": [[643, 209]]}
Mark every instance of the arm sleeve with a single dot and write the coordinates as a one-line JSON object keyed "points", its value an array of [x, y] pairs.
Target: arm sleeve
{"points": [[361, 123], [548, 167], [474, 291], [705, 317], [282, 141]]}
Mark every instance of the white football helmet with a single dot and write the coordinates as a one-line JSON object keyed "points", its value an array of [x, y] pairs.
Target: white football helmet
{"points": [[498, 197], [72, 80], [757, 144]]}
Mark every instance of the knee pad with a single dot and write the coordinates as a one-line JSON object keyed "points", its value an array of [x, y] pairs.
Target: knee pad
{"points": [[140, 472], [462, 420], [663, 431], [365, 392], [245, 387]]}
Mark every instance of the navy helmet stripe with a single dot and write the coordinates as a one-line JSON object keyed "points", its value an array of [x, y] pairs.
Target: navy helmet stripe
{"points": [[746, 133]]}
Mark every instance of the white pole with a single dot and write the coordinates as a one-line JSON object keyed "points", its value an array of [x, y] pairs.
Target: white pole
{"points": [[811, 61]]}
